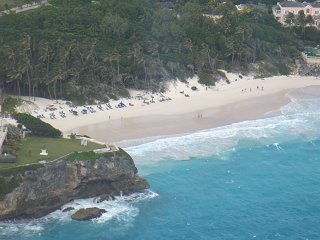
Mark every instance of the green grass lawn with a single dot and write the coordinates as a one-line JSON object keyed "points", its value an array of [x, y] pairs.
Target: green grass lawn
{"points": [[30, 149]]}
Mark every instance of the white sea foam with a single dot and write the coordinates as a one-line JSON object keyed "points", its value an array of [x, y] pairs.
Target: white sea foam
{"points": [[300, 118], [277, 145], [122, 209]]}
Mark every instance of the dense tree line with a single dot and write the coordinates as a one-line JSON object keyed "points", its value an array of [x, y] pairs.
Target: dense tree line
{"points": [[83, 49]]}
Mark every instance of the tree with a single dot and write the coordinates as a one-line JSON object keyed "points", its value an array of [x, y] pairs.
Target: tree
{"points": [[301, 22], [111, 57], [15, 73], [113, 25], [309, 20], [290, 19], [45, 60]]}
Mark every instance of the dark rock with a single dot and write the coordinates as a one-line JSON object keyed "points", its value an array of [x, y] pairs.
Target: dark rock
{"points": [[105, 197], [68, 209], [48, 187], [85, 214]]}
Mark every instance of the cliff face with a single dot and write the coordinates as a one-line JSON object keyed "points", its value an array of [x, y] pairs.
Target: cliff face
{"points": [[46, 188]]}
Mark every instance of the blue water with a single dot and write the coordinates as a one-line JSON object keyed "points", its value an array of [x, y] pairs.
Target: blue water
{"points": [[252, 180]]}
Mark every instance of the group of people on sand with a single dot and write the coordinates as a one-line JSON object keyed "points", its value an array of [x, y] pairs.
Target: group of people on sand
{"points": [[250, 89]]}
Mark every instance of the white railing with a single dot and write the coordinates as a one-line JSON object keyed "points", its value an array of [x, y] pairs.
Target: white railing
{"points": [[3, 136]]}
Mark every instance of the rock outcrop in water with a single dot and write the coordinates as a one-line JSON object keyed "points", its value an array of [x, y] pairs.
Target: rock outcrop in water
{"points": [[85, 214], [41, 189]]}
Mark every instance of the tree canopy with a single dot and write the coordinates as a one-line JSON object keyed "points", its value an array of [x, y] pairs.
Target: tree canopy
{"points": [[86, 50]]}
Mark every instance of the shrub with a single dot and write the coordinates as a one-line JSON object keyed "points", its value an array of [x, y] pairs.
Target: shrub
{"points": [[8, 158], [206, 78], [37, 126], [13, 132], [9, 104], [11, 146], [8, 186]]}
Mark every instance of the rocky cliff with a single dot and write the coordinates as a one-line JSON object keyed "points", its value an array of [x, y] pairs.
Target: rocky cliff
{"points": [[39, 190]]}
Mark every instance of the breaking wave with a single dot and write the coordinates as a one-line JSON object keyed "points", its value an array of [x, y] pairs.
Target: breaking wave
{"points": [[122, 209], [299, 119]]}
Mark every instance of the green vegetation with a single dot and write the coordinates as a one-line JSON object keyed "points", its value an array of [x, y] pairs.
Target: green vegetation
{"points": [[92, 156], [8, 186], [29, 150], [8, 4], [13, 132], [36, 126], [16, 170], [85, 50], [84, 156], [9, 104], [28, 158]]}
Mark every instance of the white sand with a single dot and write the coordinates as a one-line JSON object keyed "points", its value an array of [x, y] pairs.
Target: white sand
{"points": [[223, 94]]}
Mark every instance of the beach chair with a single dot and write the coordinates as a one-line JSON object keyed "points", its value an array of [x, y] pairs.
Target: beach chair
{"points": [[84, 111]]}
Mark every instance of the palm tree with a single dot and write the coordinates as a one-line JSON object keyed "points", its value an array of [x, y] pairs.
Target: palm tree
{"points": [[15, 73], [64, 71], [91, 57], [153, 49], [27, 68], [45, 59], [230, 45], [135, 52], [189, 46], [111, 57]]}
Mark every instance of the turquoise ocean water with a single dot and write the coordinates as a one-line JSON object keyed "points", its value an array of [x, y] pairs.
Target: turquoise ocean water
{"points": [[252, 180]]}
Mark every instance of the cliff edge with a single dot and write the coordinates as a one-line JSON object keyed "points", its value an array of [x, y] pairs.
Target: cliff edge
{"points": [[36, 190]]}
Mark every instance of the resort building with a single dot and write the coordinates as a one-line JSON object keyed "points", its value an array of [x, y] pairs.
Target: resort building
{"points": [[281, 10]]}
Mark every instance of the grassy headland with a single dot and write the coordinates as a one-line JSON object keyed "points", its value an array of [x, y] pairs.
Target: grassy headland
{"points": [[29, 149]]}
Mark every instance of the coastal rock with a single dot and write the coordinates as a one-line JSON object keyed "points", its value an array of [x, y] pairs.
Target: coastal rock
{"points": [[85, 214], [37, 190], [68, 209]]}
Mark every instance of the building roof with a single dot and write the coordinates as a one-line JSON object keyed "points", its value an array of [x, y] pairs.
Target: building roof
{"points": [[293, 3], [315, 4]]}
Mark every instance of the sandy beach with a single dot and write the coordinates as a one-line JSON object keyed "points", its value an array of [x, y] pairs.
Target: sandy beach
{"points": [[187, 110]]}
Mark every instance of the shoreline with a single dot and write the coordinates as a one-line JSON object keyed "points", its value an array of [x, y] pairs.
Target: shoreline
{"points": [[135, 130], [187, 111]]}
